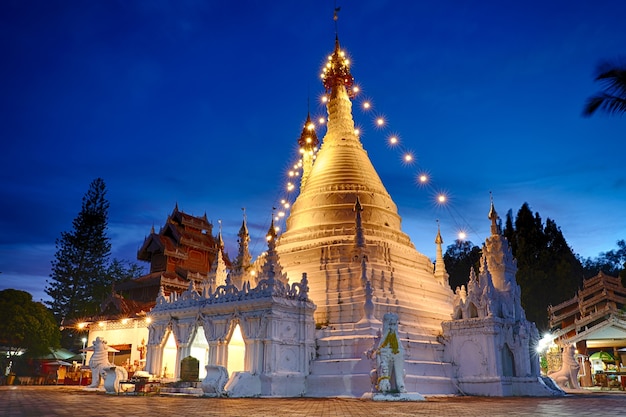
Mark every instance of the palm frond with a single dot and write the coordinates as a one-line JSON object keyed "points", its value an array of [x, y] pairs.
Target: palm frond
{"points": [[612, 76]]}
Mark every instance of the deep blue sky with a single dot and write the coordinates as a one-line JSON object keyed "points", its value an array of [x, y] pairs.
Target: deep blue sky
{"points": [[200, 103]]}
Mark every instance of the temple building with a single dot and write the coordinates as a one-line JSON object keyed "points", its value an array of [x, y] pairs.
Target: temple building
{"points": [[183, 251], [303, 319], [594, 319]]}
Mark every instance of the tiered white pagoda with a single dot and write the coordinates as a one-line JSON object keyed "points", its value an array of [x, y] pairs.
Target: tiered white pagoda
{"points": [[344, 231], [318, 337]]}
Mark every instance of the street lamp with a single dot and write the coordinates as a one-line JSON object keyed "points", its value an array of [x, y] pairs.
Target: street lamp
{"points": [[84, 339], [80, 380]]}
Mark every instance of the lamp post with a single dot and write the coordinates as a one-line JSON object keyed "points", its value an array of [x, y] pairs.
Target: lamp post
{"points": [[84, 339], [80, 379]]}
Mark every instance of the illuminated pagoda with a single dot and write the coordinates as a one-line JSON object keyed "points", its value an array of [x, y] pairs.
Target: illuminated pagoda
{"points": [[344, 231], [305, 317]]}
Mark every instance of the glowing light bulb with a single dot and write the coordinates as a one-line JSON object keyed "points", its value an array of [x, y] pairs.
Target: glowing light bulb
{"points": [[291, 173], [301, 150], [407, 157], [357, 132], [462, 235], [321, 120], [441, 198], [281, 214], [310, 126], [324, 99], [283, 201], [277, 229], [286, 205], [366, 105], [393, 140], [309, 140], [342, 54], [423, 178], [380, 121], [356, 89], [347, 62]]}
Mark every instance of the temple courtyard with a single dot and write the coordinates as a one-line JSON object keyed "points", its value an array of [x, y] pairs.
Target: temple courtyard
{"points": [[44, 401]]}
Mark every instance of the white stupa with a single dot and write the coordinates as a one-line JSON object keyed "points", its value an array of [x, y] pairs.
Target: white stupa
{"points": [[310, 311], [344, 231]]}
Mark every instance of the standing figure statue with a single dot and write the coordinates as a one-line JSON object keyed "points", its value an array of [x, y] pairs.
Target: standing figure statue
{"points": [[389, 373]]}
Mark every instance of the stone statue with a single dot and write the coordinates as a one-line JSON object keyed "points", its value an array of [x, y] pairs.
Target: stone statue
{"points": [[389, 373], [567, 376], [215, 380], [102, 371]]}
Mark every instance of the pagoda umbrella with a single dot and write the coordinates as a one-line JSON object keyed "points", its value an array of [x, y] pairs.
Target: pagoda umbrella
{"points": [[603, 356]]}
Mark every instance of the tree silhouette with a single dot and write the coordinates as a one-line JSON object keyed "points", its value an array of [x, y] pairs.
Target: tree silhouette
{"points": [[79, 270], [612, 75]]}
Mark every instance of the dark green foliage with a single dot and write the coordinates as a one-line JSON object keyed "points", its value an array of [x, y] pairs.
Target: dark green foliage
{"points": [[459, 258], [548, 271], [612, 263], [79, 274], [26, 324], [612, 100], [82, 275]]}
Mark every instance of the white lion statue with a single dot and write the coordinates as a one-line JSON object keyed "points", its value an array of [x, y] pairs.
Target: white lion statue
{"points": [[215, 380], [101, 368], [389, 373], [567, 376]]}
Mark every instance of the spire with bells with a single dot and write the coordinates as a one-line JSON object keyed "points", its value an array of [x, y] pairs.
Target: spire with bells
{"points": [[336, 73], [217, 274], [308, 145], [493, 216], [272, 269], [244, 259], [441, 275]]}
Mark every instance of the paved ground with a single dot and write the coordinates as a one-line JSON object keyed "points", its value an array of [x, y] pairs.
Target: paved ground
{"points": [[43, 401]]}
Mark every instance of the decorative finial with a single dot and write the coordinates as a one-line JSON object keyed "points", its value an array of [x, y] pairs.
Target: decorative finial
{"points": [[438, 239], [493, 216], [336, 72], [336, 17], [308, 140]]}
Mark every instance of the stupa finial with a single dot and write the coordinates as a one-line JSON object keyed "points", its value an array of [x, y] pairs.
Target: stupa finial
{"points": [[336, 72], [493, 216]]}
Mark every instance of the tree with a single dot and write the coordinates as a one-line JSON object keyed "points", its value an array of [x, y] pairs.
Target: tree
{"points": [[79, 271], [612, 100], [459, 258], [548, 271], [26, 325], [612, 263]]}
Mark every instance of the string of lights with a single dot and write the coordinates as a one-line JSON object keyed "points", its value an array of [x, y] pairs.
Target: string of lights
{"points": [[336, 68]]}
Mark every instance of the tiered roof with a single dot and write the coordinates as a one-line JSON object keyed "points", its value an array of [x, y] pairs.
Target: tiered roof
{"points": [[601, 300]]}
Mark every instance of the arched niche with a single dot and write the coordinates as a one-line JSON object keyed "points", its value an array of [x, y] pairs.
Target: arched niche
{"points": [[236, 349], [199, 349], [170, 356]]}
